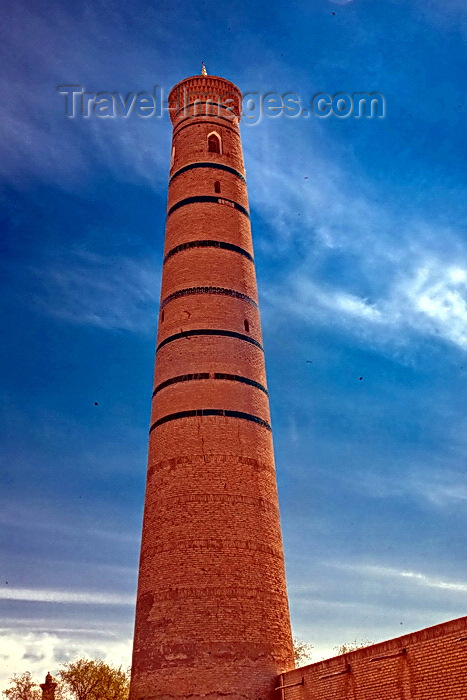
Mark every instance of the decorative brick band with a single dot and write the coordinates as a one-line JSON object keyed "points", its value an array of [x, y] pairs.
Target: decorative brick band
{"points": [[214, 545], [237, 592], [180, 378], [238, 378], [210, 412], [216, 166], [208, 331], [205, 198], [223, 499], [193, 122], [208, 290], [172, 463], [209, 244], [207, 375]]}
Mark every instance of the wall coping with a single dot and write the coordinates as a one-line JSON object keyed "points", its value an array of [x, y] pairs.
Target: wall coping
{"points": [[459, 625]]}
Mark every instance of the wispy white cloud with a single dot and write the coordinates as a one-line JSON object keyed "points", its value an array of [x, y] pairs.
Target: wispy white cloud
{"points": [[439, 488], [366, 600], [417, 578], [309, 300], [443, 495], [403, 276], [40, 141], [437, 297], [111, 293], [75, 597], [429, 299]]}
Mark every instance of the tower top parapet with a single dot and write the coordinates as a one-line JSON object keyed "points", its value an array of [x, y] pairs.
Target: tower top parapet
{"points": [[206, 92]]}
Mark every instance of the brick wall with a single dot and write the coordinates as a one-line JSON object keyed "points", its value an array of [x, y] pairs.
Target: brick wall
{"points": [[427, 665]]}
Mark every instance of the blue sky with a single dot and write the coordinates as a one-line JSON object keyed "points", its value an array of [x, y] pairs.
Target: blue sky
{"points": [[361, 252]]}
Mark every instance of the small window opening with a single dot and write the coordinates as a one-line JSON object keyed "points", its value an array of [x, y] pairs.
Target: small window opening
{"points": [[217, 187], [162, 316], [214, 144], [247, 325]]}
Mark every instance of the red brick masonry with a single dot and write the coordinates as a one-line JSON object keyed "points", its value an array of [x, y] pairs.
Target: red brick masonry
{"points": [[212, 618], [427, 665]]}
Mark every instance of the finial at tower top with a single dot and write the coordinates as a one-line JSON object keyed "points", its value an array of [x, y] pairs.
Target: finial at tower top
{"points": [[203, 69]]}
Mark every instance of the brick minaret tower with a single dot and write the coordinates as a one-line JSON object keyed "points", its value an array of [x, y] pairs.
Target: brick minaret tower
{"points": [[48, 688], [212, 617]]}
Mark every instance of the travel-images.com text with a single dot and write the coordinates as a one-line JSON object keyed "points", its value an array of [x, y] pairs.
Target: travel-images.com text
{"points": [[79, 103]]}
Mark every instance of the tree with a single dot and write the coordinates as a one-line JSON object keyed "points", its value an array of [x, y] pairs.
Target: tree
{"points": [[23, 688], [352, 646], [86, 679], [302, 652]]}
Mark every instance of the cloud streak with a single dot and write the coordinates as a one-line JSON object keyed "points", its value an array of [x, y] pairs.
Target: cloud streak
{"points": [[390, 289], [93, 290], [429, 300], [418, 578], [75, 597]]}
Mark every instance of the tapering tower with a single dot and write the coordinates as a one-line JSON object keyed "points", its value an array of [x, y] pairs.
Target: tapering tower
{"points": [[212, 617]]}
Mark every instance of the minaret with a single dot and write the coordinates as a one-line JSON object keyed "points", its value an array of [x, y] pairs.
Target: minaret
{"points": [[48, 688], [212, 618]]}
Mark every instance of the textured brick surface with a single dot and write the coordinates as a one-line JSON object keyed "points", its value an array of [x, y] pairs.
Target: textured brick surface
{"points": [[212, 616], [427, 665]]}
